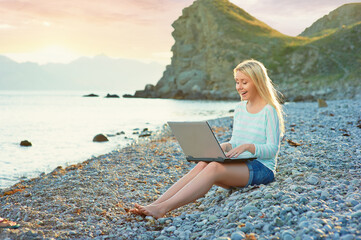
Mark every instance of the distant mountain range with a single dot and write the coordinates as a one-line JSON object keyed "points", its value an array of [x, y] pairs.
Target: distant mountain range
{"points": [[86, 73], [213, 36]]}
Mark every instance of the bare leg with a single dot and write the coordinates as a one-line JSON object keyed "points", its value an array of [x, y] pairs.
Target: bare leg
{"points": [[236, 174], [181, 183], [176, 186]]}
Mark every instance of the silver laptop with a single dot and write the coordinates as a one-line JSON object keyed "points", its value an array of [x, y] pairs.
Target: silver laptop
{"points": [[199, 143]]}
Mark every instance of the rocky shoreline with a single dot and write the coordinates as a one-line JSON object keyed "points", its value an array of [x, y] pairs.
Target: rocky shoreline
{"points": [[316, 195], [288, 94]]}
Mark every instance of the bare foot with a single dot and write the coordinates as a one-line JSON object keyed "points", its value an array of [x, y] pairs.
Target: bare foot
{"points": [[137, 210], [4, 223], [152, 210]]}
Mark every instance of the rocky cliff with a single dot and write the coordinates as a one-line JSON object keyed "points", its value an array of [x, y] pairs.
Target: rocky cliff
{"points": [[343, 16], [213, 36]]}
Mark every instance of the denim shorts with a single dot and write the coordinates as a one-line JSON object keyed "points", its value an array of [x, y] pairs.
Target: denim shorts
{"points": [[259, 173]]}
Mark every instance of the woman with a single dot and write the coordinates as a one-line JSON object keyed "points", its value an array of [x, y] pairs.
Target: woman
{"points": [[258, 126]]}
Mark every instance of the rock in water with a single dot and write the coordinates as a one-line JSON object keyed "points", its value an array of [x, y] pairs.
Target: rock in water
{"points": [[111, 96], [145, 133], [91, 95], [321, 103], [100, 138], [25, 143]]}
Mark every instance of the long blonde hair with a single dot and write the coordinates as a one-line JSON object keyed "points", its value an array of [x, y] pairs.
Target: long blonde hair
{"points": [[258, 73]]}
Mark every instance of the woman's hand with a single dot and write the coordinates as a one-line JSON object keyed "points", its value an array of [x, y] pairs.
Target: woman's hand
{"points": [[235, 152]]}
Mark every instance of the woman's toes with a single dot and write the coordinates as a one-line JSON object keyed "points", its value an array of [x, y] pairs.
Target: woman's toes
{"points": [[136, 211], [153, 211]]}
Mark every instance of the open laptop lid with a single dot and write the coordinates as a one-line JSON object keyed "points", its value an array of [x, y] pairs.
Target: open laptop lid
{"points": [[198, 141]]}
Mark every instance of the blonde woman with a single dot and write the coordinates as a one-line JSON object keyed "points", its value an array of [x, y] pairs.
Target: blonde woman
{"points": [[257, 128]]}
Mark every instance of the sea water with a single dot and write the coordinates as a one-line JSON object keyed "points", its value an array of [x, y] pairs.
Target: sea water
{"points": [[61, 126]]}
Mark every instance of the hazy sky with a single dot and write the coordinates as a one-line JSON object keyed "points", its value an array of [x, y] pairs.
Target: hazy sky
{"points": [[59, 31]]}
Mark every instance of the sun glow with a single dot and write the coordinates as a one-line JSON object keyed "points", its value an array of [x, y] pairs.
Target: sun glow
{"points": [[51, 53]]}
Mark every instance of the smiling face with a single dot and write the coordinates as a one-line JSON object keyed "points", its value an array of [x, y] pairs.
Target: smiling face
{"points": [[245, 86]]}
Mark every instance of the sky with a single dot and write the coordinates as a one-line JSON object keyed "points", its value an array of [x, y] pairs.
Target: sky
{"points": [[45, 31]]}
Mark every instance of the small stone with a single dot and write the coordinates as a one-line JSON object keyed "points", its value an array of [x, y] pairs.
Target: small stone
{"points": [[304, 224], [325, 195], [268, 196], [233, 217], [278, 222], [239, 235], [231, 225], [289, 180], [357, 207], [171, 229], [288, 235], [303, 200], [312, 180], [348, 237], [353, 202], [111, 96], [91, 95], [162, 220], [27, 194], [162, 237], [212, 218], [356, 214], [149, 218], [100, 138], [31, 234], [249, 207], [145, 134], [201, 224], [25, 143]]}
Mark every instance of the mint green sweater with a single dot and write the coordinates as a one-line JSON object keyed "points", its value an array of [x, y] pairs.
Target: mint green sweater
{"points": [[261, 129]]}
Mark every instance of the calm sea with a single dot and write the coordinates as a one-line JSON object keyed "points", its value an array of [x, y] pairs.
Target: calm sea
{"points": [[61, 126]]}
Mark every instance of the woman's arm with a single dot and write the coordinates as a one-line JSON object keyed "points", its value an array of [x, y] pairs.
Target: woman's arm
{"points": [[270, 148]]}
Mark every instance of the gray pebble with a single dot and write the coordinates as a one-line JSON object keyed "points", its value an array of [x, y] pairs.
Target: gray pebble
{"points": [[356, 214], [239, 235], [348, 237], [170, 229]]}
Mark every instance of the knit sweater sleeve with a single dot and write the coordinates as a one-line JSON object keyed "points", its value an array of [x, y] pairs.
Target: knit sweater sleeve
{"points": [[235, 121], [270, 148]]}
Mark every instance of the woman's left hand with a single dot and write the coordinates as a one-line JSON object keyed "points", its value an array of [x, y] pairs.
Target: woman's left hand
{"points": [[235, 152]]}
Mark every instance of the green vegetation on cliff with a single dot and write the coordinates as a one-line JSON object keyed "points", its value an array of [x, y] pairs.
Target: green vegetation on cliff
{"points": [[343, 16], [213, 36]]}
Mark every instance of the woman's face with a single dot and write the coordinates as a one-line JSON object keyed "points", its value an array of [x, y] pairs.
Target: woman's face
{"points": [[245, 86]]}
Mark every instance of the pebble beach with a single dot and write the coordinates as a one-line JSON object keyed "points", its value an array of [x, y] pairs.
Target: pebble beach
{"points": [[316, 194]]}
